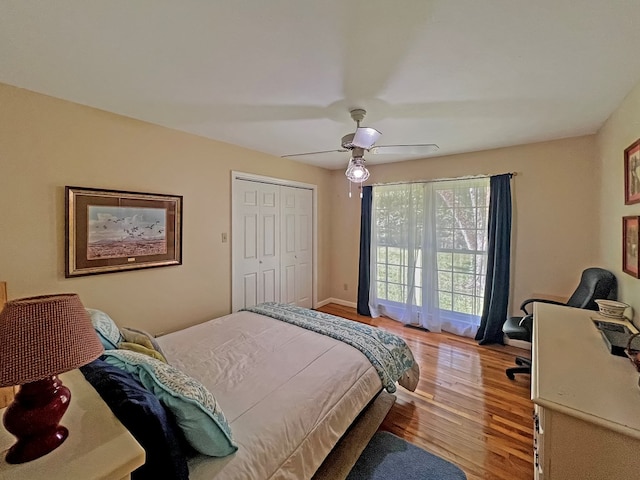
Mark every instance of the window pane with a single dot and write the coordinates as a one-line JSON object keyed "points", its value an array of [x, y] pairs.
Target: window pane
{"points": [[464, 283], [480, 281], [479, 304], [394, 256], [445, 261], [445, 239], [444, 217], [444, 281], [481, 264], [463, 262], [481, 240], [444, 198], [444, 299], [465, 240], [483, 219], [463, 304], [419, 297], [482, 196], [418, 277], [395, 293], [382, 290], [466, 217], [394, 274], [382, 255], [382, 272]]}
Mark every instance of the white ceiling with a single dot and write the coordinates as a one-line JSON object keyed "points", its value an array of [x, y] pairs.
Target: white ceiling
{"points": [[280, 76]]}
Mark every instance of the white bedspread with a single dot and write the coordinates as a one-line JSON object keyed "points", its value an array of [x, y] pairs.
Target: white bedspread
{"points": [[289, 394]]}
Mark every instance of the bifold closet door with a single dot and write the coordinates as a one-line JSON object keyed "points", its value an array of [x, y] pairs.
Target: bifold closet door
{"points": [[256, 244], [296, 267]]}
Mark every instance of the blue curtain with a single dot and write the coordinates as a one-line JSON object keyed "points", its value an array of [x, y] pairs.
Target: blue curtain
{"points": [[365, 252], [496, 292]]}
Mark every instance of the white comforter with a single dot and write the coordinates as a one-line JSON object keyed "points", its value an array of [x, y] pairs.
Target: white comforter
{"points": [[289, 394]]}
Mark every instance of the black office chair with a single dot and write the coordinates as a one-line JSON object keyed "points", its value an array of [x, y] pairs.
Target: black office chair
{"points": [[595, 283]]}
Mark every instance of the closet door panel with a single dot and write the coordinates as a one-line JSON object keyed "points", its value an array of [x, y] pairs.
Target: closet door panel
{"points": [[255, 244], [288, 290], [250, 290], [304, 253], [297, 248], [270, 285]]}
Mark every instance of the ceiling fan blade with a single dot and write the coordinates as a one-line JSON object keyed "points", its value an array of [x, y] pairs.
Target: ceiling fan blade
{"points": [[342, 150], [418, 149]]}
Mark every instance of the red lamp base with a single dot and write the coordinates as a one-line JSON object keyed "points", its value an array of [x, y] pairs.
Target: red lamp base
{"points": [[33, 418]]}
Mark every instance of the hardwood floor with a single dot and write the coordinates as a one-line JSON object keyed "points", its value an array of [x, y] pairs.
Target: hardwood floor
{"points": [[465, 409]]}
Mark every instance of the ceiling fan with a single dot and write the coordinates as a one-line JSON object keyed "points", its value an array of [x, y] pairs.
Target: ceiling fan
{"points": [[363, 140]]}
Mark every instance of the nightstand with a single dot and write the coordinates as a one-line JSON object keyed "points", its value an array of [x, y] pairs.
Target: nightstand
{"points": [[98, 446]]}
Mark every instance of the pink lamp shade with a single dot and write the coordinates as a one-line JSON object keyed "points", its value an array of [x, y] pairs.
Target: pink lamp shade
{"points": [[41, 337]]}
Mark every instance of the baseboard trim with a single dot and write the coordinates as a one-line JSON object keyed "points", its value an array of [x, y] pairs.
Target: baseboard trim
{"points": [[339, 301], [517, 343], [322, 303]]}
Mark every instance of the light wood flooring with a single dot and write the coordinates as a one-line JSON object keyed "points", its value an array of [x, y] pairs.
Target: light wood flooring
{"points": [[465, 409]]}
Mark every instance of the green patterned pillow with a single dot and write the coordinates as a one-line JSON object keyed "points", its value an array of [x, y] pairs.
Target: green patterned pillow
{"points": [[106, 328], [195, 409]]}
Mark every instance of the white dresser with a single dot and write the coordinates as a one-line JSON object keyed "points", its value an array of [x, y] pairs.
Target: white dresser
{"points": [[587, 401], [98, 446]]}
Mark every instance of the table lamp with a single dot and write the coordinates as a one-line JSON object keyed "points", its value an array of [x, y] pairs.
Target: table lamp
{"points": [[41, 337]]}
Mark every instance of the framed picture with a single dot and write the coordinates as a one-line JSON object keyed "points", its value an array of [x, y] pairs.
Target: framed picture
{"points": [[630, 258], [111, 231], [632, 173]]}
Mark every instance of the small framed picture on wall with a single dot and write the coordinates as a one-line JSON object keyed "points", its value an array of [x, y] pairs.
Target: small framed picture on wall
{"points": [[632, 173], [630, 258]]}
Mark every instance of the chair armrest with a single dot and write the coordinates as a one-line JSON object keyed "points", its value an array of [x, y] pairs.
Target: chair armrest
{"points": [[523, 307], [527, 322]]}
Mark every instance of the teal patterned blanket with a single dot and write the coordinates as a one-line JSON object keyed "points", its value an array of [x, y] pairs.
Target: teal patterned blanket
{"points": [[388, 353]]}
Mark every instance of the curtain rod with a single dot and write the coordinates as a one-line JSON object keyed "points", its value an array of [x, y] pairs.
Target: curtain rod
{"points": [[468, 177]]}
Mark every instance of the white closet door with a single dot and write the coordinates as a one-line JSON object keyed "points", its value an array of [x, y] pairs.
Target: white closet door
{"points": [[256, 244], [296, 246]]}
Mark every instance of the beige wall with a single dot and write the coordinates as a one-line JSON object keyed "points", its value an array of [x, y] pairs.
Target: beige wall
{"points": [[555, 212], [620, 131], [46, 143]]}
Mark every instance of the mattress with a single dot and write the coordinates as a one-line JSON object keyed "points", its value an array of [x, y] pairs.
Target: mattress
{"points": [[289, 394]]}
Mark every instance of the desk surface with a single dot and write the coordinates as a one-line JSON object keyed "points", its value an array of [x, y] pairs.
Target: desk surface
{"points": [[98, 446], [573, 372]]}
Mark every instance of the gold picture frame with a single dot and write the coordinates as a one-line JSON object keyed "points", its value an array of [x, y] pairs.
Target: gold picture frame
{"points": [[110, 231], [630, 240], [632, 173]]}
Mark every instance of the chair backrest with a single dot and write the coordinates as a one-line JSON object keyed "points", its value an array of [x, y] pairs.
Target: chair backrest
{"points": [[595, 283]]}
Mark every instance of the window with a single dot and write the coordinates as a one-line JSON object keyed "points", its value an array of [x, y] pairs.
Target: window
{"points": [[429, 249]]}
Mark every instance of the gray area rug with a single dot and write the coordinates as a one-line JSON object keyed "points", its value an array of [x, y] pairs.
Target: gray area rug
{"points": [[388, 457]]}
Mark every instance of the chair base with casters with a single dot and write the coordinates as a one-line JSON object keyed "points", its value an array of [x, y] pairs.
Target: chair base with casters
{"points": [[518, 328], [525, 367]]}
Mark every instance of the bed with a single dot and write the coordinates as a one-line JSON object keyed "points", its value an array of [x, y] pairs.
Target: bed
{"points": [[287, 392]]}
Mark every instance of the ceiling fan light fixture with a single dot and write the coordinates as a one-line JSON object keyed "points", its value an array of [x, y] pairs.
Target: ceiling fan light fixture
{"points": [[356, 171]]}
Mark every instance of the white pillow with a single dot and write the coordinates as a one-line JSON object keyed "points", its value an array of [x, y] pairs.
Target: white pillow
{"points": [[106, 328]]}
